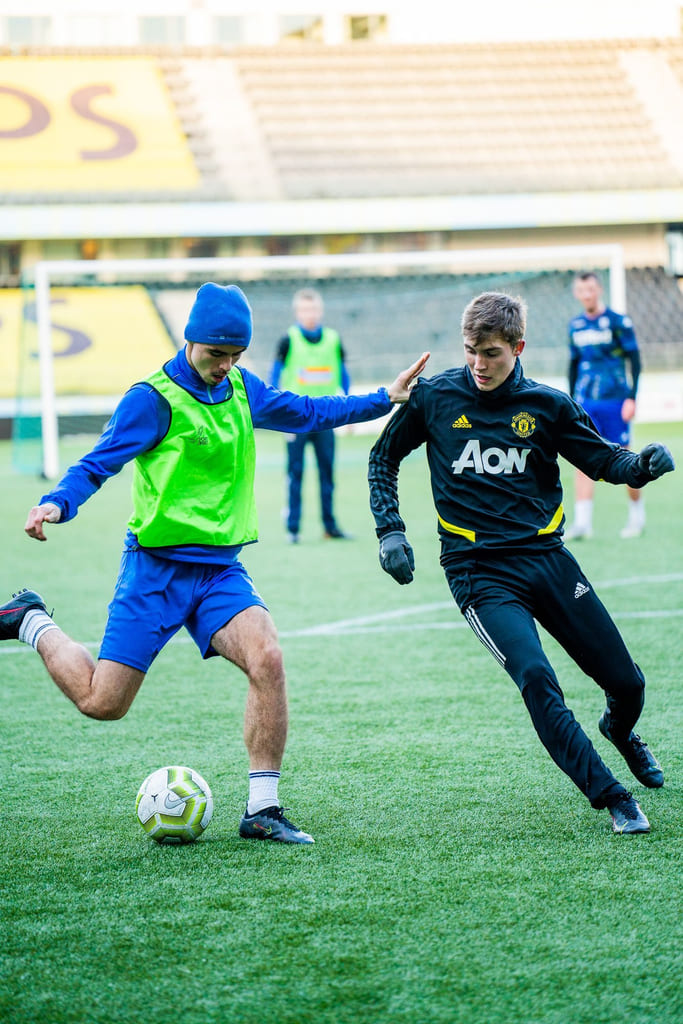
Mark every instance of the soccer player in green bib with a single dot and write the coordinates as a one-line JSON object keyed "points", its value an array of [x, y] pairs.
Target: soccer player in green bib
{"points": [[189, 429]]}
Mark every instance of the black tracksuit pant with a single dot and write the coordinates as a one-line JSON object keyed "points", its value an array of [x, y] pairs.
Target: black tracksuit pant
{"points": [[501, 598]]}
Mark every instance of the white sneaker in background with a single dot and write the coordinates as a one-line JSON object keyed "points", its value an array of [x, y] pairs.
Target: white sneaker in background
{"points": [[578, 533]]}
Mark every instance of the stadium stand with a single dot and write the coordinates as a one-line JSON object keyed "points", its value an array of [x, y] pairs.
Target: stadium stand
{"points": [[241, 164], [311, 121], [463, 119]]}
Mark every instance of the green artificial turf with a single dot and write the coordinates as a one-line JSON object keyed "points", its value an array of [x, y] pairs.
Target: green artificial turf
{"points": [[457, 875]]}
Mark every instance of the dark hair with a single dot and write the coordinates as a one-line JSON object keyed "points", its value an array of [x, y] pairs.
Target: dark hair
{"points": [[494, 313], [588, 275]]}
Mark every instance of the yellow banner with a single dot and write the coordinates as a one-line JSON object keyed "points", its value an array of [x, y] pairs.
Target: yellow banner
{"points": [[103, 340], [86, 124]]}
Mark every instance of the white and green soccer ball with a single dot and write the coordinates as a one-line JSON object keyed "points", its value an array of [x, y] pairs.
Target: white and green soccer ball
{"points": [[174, 805]]}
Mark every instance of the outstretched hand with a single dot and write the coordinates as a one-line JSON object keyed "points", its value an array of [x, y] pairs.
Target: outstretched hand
{"points": [[399, 391], [39, 514]]}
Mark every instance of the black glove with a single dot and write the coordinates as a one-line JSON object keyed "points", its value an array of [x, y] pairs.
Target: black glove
{"points": [[396, 556], [656, 459]]}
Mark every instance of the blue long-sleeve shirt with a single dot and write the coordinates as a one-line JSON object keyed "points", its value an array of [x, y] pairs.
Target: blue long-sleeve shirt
{"points": [[142, 418]]}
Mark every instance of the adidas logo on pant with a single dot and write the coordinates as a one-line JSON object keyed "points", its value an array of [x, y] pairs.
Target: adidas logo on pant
{"points": [[581, 589]]}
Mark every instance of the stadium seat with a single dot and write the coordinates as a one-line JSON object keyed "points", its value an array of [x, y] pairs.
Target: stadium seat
{"points": [[309, 121]]}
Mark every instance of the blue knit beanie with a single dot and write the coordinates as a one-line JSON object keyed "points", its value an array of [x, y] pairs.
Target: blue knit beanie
{"points": [[220, 316]]}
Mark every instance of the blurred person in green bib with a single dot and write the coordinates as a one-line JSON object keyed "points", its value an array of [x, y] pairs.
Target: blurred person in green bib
{"points": [[309, 360]]}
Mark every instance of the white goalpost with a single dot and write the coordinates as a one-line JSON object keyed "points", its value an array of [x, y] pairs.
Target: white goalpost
{"points": [[50, 273]]}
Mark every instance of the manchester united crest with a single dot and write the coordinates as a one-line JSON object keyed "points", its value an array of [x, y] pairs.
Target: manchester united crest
{"points": [[523, 424]]}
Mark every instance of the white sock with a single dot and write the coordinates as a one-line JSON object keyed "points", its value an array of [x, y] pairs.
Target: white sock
{"points": [[636, 514], [262, 791], [583, 514], [35, 624]]}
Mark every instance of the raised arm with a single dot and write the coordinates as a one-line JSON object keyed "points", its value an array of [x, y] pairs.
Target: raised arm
{"points": [[286, 411]]}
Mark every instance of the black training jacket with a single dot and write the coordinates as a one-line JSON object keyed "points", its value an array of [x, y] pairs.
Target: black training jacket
{"points": [[493, 459]]}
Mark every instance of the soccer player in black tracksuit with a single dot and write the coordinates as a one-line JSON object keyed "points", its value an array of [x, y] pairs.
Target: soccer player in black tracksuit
{"points": [[493, 439]]}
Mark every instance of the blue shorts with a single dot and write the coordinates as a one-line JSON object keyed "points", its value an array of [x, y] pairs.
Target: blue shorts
{"points": [[154, 597], [606, 415]]}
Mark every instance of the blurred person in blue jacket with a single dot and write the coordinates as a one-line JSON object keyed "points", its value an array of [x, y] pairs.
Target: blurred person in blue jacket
{"points": [[602, 344]]}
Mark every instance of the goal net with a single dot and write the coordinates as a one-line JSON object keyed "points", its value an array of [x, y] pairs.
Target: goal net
{"points": [[91, 328]]}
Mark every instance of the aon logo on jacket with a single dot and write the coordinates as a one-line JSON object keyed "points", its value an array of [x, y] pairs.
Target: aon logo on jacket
{"points": [[491, 460]]}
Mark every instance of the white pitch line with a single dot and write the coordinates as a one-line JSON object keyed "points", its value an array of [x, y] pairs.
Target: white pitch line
{"points": [[634, 581], [396, 613], [344, 627], [360, 629], [382, 622]]}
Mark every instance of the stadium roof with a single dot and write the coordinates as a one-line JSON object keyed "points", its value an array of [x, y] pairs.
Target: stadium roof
{"points": [[332, 216]]}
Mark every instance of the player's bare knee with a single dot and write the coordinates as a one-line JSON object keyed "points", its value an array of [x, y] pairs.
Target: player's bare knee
{"points": [[266, 665], [111, 691], [103, 708]]}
